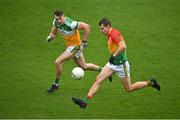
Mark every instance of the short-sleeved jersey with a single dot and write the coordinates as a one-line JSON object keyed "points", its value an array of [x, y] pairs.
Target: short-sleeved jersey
{"points": [[114, 39], [113, 42], [69, 31]]}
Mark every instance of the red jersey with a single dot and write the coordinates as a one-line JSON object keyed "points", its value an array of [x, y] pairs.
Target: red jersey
{"points": [[114, 37]]}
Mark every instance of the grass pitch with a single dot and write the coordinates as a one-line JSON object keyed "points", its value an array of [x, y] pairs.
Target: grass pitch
{"points": [[150, 28]]}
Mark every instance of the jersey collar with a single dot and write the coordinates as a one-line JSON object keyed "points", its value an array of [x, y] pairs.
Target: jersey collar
{"points": [[110, 31]]}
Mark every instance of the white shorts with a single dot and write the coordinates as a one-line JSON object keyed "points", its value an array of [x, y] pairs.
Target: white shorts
{"points": [[122, 70], [75, 50]]}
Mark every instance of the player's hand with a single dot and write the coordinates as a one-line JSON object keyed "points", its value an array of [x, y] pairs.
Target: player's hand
{"points": [[49, 38], [111, 59], [84, 43]]}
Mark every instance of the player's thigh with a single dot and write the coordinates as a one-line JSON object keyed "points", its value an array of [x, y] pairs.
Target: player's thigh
{"points": [[66, 55], [105, 73], [123, 71]]}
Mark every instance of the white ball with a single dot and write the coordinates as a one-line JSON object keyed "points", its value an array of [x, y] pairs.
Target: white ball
{"points": [[77, 73]]}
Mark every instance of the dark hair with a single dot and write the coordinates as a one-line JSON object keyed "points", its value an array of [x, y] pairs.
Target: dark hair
{"points": [[105, 22], [58, 13]]}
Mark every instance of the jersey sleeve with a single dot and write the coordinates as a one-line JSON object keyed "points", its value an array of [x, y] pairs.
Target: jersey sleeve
{"points": [[116, 37], [71, 23], [74, 25], [54, 23]]}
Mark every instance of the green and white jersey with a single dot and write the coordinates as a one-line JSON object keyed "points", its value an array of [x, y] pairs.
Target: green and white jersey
{"points": [[68, 28]]}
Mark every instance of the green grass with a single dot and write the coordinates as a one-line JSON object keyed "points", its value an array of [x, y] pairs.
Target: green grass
{"points": [[150, 28]]}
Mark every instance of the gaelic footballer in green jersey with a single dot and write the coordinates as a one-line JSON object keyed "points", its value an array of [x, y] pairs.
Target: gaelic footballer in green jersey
{"points": [[69, 29]]}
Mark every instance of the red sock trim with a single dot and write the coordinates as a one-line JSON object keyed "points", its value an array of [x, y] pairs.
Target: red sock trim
{"points": [[89, 97]]}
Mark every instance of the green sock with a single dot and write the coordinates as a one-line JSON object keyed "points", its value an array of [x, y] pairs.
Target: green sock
{"points": [[151, 82], [85, 99], [57, 81], [100, 69]]}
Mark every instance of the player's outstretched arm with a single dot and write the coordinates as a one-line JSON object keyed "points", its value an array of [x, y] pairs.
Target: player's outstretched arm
{"points": [[52, 34]]}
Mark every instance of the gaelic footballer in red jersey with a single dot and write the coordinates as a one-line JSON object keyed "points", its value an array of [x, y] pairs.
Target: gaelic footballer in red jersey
{"points": [[118, 63]]}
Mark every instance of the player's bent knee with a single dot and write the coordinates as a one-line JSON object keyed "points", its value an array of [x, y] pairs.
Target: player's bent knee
{"points": [[84, 67], [57, 63], [128, 89]]}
